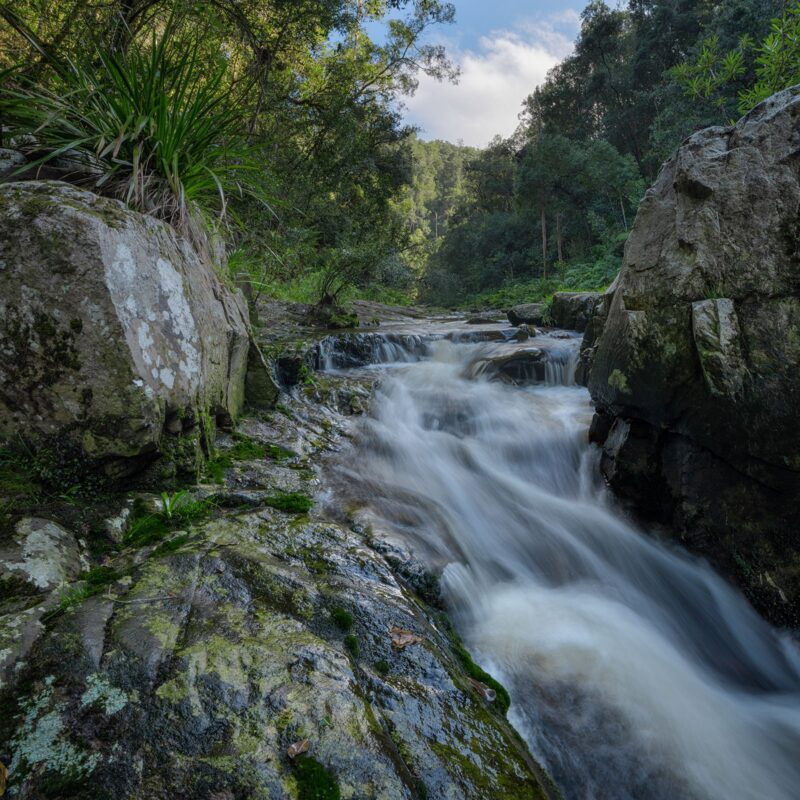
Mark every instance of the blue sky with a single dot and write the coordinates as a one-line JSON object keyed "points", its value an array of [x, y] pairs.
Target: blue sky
{"points": [[504, 48]]}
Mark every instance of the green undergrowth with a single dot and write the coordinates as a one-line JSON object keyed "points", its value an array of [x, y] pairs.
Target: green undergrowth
{"points": [[314, 782], [382, 667], [591, 276], [351, 643], [305, 289], [341, 618], [89, 583], [244, 449], [52, 471], [290, 502], [177, 510], [471, 668]]}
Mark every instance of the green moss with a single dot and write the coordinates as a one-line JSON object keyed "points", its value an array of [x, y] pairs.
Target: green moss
{"points": [[314, 560], [178, 509], [216, 466], [69, 598], [617, 380], [245, 449], [279, 453], [290, 502], [471, 668], [51, 466], [382, 667], [17, 476], [314, 782], [341, 618], [171, 545], [89, 583]]}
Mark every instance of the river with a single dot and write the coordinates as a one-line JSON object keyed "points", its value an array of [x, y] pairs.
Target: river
{"points": [[635, 671]]}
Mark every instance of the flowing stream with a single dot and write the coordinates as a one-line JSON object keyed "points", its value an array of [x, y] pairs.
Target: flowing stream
{"points": [[635, 671]]}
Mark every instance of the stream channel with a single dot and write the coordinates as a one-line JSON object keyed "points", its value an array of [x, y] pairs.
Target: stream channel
{"points": [[635, 671]]}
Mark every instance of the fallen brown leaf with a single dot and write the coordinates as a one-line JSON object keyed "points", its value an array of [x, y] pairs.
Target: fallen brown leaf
{"points": [[486, 692], [3, 778], [298, 748], [401, 638]]}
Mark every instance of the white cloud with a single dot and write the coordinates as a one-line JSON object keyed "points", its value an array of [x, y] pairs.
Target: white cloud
{"points": [[495, 79]]}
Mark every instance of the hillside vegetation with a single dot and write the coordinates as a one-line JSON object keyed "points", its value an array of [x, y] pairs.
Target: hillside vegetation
{"points": [[271, 133]]}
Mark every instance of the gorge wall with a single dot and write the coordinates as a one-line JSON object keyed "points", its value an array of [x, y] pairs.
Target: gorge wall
{"points": [[693, 359]]}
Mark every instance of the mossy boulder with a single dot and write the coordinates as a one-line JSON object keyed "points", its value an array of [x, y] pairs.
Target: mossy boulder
{"points": [[691, 360], [114, 332]]}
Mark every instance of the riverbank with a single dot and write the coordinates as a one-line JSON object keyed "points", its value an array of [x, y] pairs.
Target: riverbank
{"points": [[217, 629]]}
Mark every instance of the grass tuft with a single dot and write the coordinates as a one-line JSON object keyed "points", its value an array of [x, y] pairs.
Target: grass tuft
{"points": [[341, 618], [290, 502], [152, 126]]}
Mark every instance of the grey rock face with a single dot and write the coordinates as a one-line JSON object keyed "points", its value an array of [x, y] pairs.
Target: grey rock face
{"points": [[527, 314], [10, 161], [198, 666], [42, 553], [109, 325], [573, 310], [696, 348]]}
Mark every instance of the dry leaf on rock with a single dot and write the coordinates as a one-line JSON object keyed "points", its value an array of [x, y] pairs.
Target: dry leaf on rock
{"points": [[486, 692], [402, 638], [298, 748], [3, 778]]}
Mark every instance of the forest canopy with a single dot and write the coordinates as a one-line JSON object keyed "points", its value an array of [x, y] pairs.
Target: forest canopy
{"points": [[271, 132], [551, 206]]}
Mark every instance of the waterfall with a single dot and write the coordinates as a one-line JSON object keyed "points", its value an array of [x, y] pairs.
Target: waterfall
{"points": [[635, 670]]}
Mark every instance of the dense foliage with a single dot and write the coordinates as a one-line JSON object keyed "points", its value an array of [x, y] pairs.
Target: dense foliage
{"points": [[280, 113], [551, 206], [275, 127]]}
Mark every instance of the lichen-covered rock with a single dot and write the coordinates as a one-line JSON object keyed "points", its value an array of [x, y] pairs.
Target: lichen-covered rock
{"points": [[10, 162], [694, 370], [42, 553], [573, 310], [193, 673], [111, 327]]}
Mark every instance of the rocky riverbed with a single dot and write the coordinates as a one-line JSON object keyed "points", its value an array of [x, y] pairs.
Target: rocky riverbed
{"points": [[244, 637]]}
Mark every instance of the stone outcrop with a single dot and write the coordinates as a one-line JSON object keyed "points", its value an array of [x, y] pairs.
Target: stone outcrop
{"points": [[693, 355], [573, 310], [191, 666], [528, 314], [114, 335]]}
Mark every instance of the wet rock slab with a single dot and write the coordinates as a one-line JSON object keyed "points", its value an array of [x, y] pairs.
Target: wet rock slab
{"points": [[199, 665]]}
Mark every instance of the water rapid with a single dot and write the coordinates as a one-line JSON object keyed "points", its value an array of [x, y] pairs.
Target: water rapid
{"points": [[635, 671]]}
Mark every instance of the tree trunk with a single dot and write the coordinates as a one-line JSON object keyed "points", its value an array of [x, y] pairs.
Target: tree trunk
{"points": [[558, 238], [544, 243]]}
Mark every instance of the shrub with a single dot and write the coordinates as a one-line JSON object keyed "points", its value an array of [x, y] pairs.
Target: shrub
{"points": [[143, 127], [341, 618]]}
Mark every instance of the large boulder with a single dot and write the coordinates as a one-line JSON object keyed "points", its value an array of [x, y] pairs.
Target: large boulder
{"points": [[528, 314], [116, 338], [573, 310], [694, 374]]}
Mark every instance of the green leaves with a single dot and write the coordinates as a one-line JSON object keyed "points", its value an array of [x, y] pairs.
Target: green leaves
{"points": [[153, 126], [776, 65]]}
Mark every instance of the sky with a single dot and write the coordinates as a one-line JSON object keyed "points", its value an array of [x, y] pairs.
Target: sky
{"points": [[504, 49]]}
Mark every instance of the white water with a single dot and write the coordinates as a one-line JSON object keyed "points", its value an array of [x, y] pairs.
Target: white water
{"points": [[635, 671]]}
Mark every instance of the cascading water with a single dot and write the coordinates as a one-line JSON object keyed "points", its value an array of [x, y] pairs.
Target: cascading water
{"points": [[635, 671]]}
